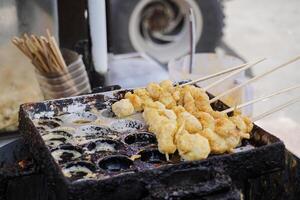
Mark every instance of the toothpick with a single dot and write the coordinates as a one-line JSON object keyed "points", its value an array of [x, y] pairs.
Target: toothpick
{"points": [[276, 109], [254, 79], [232, 74], [261, 98]]}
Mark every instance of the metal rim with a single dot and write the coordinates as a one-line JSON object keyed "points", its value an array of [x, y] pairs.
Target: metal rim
{"points": [[167, 38]]}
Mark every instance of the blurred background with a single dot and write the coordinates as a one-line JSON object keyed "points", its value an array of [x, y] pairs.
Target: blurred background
{"points": [[140, 37]]}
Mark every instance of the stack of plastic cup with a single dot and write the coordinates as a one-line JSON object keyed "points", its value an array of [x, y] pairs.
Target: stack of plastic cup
{"points": [[71, 83]]}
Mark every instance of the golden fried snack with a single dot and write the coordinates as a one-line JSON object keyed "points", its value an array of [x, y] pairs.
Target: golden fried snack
{"points": [[123, 108], [189, 103], [232, 142], [178, 109], [192, 146], [202, 130], [224, 127], [239, 122], [154, 91], [142, 93], [217, 143], [206, 120], [135, 100], [165, 137], [167, 85], [167, 99], [248, 123], [170, 114], [192, 124], [218, 115], [163, 128]]}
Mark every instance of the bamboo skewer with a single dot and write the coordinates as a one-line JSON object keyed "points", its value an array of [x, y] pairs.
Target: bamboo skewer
{"points": [[232, 74], [261, 98], [215, 75], [276, 109], [254, 79]]}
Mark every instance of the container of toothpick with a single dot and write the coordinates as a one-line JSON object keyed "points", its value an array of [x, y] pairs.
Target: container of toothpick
{"points": [[71, 82], [59, 73]]}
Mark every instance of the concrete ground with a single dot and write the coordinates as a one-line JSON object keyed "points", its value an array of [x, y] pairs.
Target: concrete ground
{"points": [[269, 29]]}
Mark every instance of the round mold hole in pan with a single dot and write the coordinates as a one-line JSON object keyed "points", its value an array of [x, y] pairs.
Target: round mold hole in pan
{"points": [[79, 169], [152, 156], [55, 138], [51, 124], [107, 113], [93, 131], [115, 163], [125, 125], [66, 152], [79, 118], [140, 138], [57, 134], [102, 145]]}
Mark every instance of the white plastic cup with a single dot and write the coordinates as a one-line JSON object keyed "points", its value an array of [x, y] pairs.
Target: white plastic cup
{"points": [[72, 83]]}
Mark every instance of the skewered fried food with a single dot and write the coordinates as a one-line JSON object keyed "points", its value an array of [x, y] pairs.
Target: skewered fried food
{"points": [[192, 124], [165, 137], [167, 85], [189, 103], [242, 122], [123, 108], [225, 127], [154, 91], [135, 100], [206, 120], [164, 129], [202, 130], [167, 99], [218, 144], [192, 146]]}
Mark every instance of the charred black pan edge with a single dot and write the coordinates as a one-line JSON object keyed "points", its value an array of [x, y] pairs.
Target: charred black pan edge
{"points": [[55, 179]]}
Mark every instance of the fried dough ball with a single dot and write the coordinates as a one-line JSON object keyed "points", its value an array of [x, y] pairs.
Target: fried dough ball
{"points": [[154, 104], [192, 146], [225, 127], [248, 123], [178, 110], [142, 92], [135, 100], [203, 106], [152, 118], [206, 120], [189, 103], [167, 99], [164, 129], [154, 91], [198, 93], [232, 142], [165, 137], [167, 85], [218, 114], [217, 143], [192, 124], [170, 114], [123, 108], [176, 95], [239, 122]]}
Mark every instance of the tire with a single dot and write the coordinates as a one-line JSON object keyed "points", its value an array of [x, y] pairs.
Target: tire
{"points": [[121, 11], [213, 23]]}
